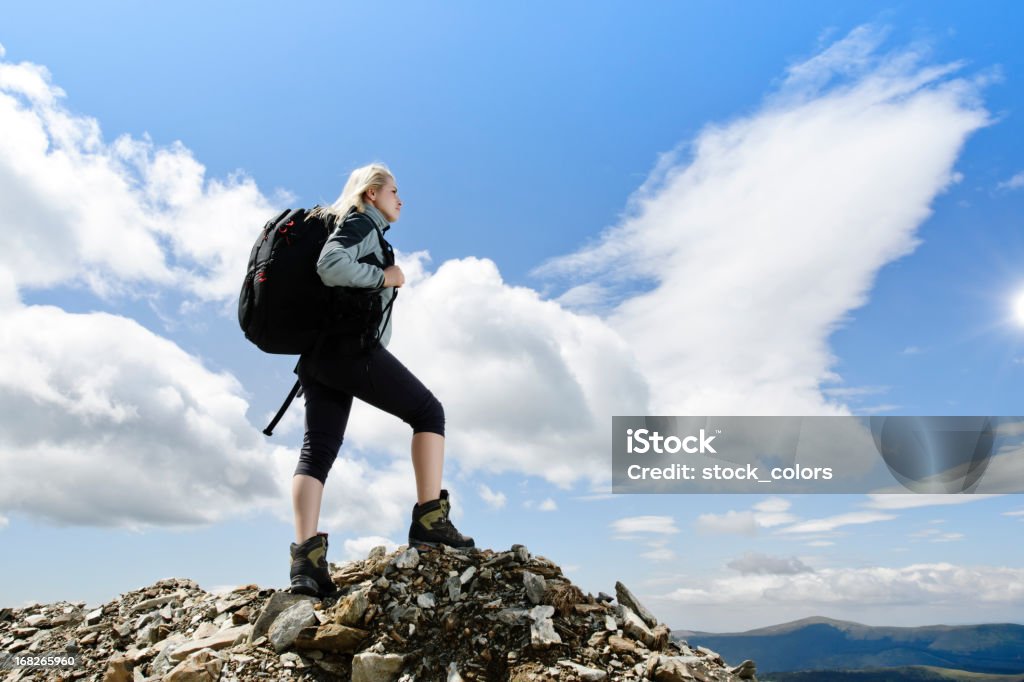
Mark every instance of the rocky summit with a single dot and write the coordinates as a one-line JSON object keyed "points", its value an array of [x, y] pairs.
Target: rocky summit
{"points": [[440, 616]]}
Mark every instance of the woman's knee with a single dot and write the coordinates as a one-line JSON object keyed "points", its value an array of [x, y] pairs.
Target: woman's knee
{"points": [[429, 416], [318, 454]]}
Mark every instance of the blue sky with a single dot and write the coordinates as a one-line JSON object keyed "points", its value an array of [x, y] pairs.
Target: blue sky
{"points": [[700, 208]]}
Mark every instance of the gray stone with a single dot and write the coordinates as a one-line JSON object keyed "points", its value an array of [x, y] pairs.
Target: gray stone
{"points": [[662, 635], [93, 617], [289, 624], [291, 660], [351, 609], [511, 616], [371, 667], [745, 670], [204, 630], [467, 575], [200, 666], [410, 558], [627, 598], [377, 552], [221, 640], [454, 587], [453, 673], [425, 600], [542, 630], [520, 552], [621, 645], [535, 586], [277, 603], [38, 621], [543, 635], [610, 624], [672, 669], [499, 560], [542, 611], [584, 673], [155, 602], [118, 670], [636, 628], [331, 637]]}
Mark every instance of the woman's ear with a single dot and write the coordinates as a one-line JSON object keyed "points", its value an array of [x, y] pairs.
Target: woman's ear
{"points": [[370, 194]]}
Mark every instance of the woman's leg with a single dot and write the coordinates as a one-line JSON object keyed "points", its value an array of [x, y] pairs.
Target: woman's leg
{"points": [[385, 383], [428, 464], [327, 412], [307, 494], [388, 385]]}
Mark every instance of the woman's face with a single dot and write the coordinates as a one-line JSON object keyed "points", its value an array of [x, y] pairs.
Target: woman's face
{"points": [[386, 200]]}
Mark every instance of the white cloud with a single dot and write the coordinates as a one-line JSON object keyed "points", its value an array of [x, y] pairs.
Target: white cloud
{"points": [[4, 521], [773, 512], [109, 424], [120, 214], [493, 499], [832, 522], [821, 543], [658, 553], [936, 535], [825, 184], [106, 423], [544, 381], [917, 584], [767, 513], [1019, 512], [854, 391], [731, 523], [913, 501], [878, 409], [548, 505], [773, 505], [1015, 182], [358, 548], [755, 563], [631, 525]]}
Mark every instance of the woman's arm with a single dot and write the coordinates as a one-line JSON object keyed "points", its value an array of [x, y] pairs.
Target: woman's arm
{"points": [[339, 264]]}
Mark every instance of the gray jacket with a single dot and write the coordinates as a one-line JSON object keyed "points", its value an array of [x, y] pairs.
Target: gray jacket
{"points": [[356, 254]]}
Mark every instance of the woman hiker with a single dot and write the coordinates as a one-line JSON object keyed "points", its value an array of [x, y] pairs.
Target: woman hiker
{"points": [[341, 368]]}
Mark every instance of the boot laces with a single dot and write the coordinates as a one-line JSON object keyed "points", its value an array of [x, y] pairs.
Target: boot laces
{"points": [[445, 525]]}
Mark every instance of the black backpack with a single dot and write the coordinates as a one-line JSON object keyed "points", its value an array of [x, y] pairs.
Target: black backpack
{"points": [[285, 308]]}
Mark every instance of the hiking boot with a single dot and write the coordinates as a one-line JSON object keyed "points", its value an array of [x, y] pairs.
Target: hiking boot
{"points": [[431, 527], [309, 568]]}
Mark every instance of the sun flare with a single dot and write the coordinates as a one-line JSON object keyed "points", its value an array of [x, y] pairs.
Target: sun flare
{"points": [[1018, 308]]}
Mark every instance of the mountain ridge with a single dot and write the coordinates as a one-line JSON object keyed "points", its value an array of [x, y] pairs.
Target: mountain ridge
{"points": [[822, 643]]}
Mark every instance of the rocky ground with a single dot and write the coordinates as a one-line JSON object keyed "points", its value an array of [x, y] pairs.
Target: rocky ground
{"points": [[404, 616]]}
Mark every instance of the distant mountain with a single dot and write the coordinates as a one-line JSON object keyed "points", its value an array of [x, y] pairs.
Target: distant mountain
{"points": [[916, 673], [825, 644]]}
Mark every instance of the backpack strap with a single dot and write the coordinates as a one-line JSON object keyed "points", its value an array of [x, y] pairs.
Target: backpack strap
{"points": [[296, 391]]}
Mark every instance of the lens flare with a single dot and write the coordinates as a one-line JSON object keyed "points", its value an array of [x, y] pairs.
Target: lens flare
{"points": [[1018, 309]]}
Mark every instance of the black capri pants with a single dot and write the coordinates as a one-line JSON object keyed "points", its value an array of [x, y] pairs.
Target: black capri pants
{"points": [[375, 377]]}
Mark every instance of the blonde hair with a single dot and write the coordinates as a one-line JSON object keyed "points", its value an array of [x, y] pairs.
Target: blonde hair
{"points": [[361, 180]]}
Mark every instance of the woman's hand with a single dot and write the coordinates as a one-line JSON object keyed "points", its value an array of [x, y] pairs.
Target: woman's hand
{"points": [[393, 276]]}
